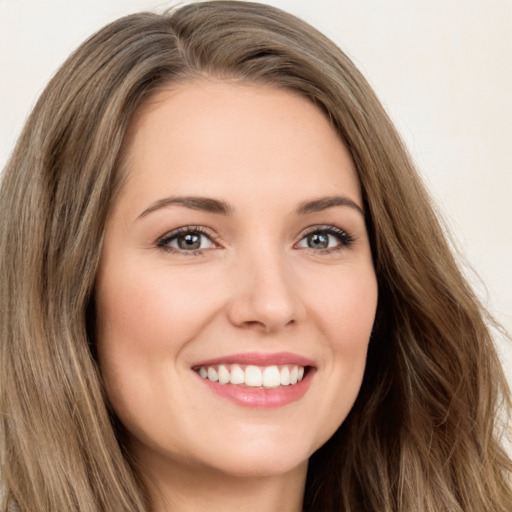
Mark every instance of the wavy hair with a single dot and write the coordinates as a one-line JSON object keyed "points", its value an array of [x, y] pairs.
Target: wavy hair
{"points": [[423, 434]]}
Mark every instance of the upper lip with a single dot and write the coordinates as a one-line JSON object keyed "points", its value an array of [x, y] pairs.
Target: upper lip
{"points": [[259, 359]]}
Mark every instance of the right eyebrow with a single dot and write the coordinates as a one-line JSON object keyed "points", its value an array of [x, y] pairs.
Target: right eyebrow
{"points": [[206, 204]]}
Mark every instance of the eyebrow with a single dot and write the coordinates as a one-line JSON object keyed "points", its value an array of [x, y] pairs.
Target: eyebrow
{"points": [[205, 204], [317, 205], [208, 204]]}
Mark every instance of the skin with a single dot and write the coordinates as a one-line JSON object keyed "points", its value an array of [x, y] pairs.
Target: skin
{"points": [[255, 285]]}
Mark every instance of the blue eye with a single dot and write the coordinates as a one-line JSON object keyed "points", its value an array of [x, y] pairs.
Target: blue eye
{"points": [[327, 238], [186, 240]]}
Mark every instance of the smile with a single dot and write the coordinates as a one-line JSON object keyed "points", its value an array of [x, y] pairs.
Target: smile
{"points": [[269, 377], [258, 380]]}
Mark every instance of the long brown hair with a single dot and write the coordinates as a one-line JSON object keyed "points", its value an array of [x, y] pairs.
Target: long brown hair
{"points": [[423, 434]]}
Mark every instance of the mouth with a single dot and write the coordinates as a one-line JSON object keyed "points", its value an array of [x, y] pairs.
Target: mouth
{"points": [[252, 376], [258, 380]]}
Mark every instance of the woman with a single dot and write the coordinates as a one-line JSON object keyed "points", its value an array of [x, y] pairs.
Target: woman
{"points": [[224, 287]]}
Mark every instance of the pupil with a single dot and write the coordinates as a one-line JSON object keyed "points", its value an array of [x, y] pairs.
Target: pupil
{"points": [[318, 241], [190, 241]]}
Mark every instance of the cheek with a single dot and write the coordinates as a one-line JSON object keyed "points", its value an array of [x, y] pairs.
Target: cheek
{"points": [[145, 320], [148, 312], [345, 309], [345, 313]]}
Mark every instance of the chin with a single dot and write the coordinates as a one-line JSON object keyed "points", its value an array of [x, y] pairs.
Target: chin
{"points": [[262, 466], [261, 456]]}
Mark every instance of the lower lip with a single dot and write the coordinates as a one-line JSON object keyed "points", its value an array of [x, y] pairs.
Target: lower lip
{"points": [[261, 398]]}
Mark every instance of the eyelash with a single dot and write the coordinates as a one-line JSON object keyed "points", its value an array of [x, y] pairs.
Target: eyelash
{"points": [[344, 239], [163, 242]]}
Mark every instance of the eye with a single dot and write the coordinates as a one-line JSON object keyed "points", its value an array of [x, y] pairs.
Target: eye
{"points": [[325, 238], [187, 239]]}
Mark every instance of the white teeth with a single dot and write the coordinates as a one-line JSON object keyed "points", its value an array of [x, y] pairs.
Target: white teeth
{"points": [[212, 374], [285, 376], [271, 377], [223, 374], [237, 375], [253, 376]]}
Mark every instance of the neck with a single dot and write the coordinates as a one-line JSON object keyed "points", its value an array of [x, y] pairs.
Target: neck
{"points": [[181, 488]]}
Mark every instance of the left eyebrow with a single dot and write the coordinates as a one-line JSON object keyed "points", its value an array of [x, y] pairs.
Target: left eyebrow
{"points": [[318, 205]]}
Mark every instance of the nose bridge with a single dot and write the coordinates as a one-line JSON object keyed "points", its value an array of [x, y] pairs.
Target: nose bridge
{"points": [[264, 291]]}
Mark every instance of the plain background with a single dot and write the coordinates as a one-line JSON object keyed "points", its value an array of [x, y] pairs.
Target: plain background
{"points": [[442, 68]]}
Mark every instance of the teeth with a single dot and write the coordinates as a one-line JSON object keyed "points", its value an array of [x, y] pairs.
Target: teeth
{"points": [[271, 377], [253, 376], [285, 376], [237, 375], [212, 374], [223, 374]]}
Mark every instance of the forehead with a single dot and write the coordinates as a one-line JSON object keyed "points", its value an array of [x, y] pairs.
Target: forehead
{"points": [[217, 138]]}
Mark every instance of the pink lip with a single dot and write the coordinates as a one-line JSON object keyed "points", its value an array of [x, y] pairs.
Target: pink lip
{"points": [[258, 359], [260, 397]]}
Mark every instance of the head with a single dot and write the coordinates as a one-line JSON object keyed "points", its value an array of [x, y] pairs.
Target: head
{"points": [[58, 195]]}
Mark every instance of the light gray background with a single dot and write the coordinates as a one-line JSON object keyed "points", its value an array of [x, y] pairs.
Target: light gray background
{"points": [[442, 68]]}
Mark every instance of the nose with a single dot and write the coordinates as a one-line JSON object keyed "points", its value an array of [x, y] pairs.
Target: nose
{"points": [[264, 293]]}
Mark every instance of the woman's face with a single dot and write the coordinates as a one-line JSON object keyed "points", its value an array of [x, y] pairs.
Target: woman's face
{"points": [[236, 291]]}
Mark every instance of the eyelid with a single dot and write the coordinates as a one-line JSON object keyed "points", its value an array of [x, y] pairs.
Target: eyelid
{"points": [[162, 241], [344, 237]]}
